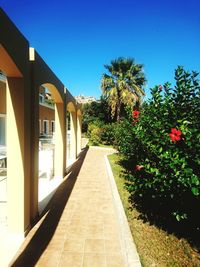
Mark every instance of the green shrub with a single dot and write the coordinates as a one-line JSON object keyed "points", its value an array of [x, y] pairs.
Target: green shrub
{"points": [[108, 134], [125, 139], [100, 133], [94, 132], [96, 110], [95, 136], [162, 143]]}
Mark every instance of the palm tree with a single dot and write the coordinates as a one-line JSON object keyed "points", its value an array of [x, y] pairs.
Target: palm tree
{"points": [[123, 85]]}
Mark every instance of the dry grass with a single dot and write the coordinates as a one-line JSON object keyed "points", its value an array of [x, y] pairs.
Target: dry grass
{"points": [[156, 247]]}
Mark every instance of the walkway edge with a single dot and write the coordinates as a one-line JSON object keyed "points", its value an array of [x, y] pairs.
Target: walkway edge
{"points": [[128, 245]]}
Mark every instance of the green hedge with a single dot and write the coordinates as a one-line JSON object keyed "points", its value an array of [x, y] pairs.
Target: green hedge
{"points": [[101, 133], [161, 143]]}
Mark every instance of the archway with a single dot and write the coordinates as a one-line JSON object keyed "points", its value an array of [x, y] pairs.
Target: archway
{"points": [[51, 142]]}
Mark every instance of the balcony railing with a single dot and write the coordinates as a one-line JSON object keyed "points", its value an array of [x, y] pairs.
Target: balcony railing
{"points": [[46, 157], [3, 162]]}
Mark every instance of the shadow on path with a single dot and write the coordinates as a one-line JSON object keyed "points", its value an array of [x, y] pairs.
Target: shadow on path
{"points": [[38, 243]]}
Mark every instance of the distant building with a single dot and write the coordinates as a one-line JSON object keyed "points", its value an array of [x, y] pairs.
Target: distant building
{"points": [[85, 99], [46, 113]]}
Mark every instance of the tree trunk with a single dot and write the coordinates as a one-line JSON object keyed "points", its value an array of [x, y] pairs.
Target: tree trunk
{"points": [[118, 111]]}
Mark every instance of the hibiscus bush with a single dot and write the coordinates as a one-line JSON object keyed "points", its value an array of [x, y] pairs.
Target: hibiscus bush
{"points": [[161, 142]]}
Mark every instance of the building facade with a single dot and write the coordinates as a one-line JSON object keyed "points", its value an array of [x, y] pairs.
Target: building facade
{"points": [[24, 117]]}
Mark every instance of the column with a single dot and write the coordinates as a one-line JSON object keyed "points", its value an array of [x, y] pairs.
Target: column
{"points": [[60, 141], [73, 135], [18, 155], [79, 126]]}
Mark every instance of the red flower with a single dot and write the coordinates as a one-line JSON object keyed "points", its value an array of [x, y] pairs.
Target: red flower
{"points": [[135, 121], [175, 135], [139, 167], [135, 114]]}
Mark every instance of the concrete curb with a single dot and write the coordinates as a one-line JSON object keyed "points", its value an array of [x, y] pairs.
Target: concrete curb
{"points": [[128, 246]]}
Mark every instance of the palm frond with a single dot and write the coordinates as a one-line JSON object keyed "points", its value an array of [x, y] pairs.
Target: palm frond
{"points": [[124, 83]]}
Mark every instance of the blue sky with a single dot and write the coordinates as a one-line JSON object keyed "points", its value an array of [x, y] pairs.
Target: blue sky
{"points": [[77, 38]]}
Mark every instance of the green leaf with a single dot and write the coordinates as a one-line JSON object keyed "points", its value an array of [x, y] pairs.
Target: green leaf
{"points": [[195, 180], [178, 217], [195, 191]]}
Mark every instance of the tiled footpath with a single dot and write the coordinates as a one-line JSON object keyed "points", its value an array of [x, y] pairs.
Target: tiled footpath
{"points": [[83, 225]]}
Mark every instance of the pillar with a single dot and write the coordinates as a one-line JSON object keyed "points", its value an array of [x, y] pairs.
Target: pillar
{"points": [[79, 126], [18, 155], [60, 143], [34, 150], [73, 135]]}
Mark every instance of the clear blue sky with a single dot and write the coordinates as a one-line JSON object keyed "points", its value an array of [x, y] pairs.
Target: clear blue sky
{"points": [[77, 37]]}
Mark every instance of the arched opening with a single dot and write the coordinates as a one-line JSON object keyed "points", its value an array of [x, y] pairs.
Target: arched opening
{"points": [[51, 142], [71, 134]]}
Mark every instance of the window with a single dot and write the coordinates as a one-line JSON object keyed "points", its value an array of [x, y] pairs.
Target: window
{"points": [[53, 127], [2, 129], [40, 127], [46, 127], [68, 121], [41, 98]]}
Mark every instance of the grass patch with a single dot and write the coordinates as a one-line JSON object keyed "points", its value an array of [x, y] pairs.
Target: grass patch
{"points": [[156, 247]]}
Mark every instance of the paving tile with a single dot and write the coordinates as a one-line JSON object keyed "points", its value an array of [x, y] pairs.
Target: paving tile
{"points": [[110, 220], [107, 208], [111, 232], [78, 222], [112, 246], [49, 259], [61, 231], [74, 245], [92, 219], [94, 246], [78, 216], [114, 260], [94, 260], [67, 214], [71, 259], [77, 232], [55, 244], [95, 231]]}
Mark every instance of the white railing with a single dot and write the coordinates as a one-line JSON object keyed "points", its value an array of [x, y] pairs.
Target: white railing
{"points": [[46, 158], [3, 162]]}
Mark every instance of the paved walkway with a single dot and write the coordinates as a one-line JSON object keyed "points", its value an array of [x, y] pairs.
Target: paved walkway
{"points": [[81, 226]]}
